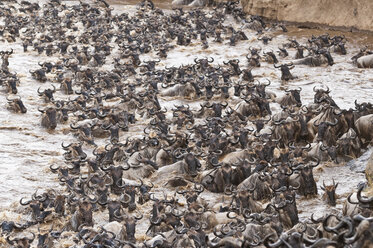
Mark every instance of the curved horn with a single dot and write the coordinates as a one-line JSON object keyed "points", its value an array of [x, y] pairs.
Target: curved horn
{"points": [[40, 93], [24, 203], [363, 199]]}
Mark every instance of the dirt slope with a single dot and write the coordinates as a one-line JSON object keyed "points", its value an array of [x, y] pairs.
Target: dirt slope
{"points": [[340, 13]]}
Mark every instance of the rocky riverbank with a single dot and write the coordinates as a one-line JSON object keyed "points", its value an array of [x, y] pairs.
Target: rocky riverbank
{"points": [[350, 14]]}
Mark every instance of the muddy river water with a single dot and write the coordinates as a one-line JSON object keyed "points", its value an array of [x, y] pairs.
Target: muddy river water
{"points": [[27, 150]]}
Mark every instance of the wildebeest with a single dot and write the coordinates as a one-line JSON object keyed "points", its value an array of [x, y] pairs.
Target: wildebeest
{"points": [[365, 61], [329, 195], [39, 74], [285, 71], [48, 93], [188, 166], [323, 152], [316, 60], [49, 117], [291, 98], [83, 215], [16, 105], [364, 126], [181, 89], [218, 149], [305, 179], [10, 82]]}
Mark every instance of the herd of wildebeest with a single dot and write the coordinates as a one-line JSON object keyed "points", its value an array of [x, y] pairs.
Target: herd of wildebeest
{"points": [[256, 163]]}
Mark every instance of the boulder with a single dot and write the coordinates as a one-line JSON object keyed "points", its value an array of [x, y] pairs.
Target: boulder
{"points": [[369, 171], [351, 14]]}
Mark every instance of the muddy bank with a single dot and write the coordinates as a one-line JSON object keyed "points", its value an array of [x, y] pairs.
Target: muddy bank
{"points": [[351, 14]]}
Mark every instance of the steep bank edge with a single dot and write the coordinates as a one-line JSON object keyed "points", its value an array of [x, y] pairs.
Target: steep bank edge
{"points": [[339, 13]]}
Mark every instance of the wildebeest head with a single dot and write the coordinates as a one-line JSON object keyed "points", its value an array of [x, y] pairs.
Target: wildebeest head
{"points": [[224, 89], [299, 54], [116, 173], [295, 94], [17, 105], [45, 238], [59, 204], [39, 75], [217, 108], [259, 123], [114, 131], [66, 86], [74, 150], [234, 63], [349, 117], [150, 65], [49, 119], [329, 193], [254, 60], [237, 89], [192, 195], [285, 71], [208, 90], [244, 200], [329, 57], [283, 52], [265, 39], [331, 151], [281, 177], [271, 57], [203, 64], [48, 93], [84, 132], [286, 206], [308, 184], [321, 94], [242, 171], [12, 85], [340, 48], [324, 129], [263, 105], [144, 192], [113, 207], [130, 190], [192, 163], [47, 65], [85, 212], [261, 87], [130, 224], [64, 109], [247, 75]]}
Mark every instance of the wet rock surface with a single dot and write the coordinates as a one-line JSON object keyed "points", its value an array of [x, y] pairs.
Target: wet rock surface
{"points": [[361, 163]]}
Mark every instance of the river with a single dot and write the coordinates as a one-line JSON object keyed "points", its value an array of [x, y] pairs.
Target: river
{"points": [[27, 150]]}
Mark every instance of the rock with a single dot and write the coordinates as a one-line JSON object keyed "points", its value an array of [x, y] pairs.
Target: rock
{"points": [[359, 164], [116, 228], [369, 171], [339, 13]]}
